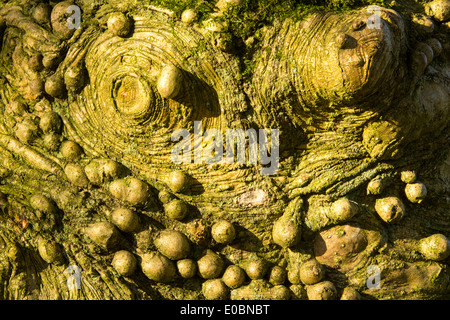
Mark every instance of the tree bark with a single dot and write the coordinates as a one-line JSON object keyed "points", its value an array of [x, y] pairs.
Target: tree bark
{"points": [[353, 104]]}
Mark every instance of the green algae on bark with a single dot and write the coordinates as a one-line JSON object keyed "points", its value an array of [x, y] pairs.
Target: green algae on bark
{"points": [[86, 118]]}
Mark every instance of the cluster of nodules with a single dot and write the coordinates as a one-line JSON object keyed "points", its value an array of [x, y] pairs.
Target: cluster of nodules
{"points": [[42, 127], [257, 279], [46, 81], [120, 25], [71, 78], [100, 171], [437, 13], [56, 85], [222, 38], [168, 255], [423, 54], [103, 172], [345, 245], [391, 209], [45, 211], [163, 255]]}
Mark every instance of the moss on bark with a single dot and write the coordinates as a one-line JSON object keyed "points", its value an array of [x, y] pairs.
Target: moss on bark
{"points": [[354, 105]]}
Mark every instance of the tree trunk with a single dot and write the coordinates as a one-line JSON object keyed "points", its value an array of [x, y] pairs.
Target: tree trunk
{"points": [[126, 173]]}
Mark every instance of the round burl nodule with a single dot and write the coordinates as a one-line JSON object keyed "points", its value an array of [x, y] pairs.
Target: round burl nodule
{"points": [[178, 181], [165, 197], [408, 176], [52, 141], [75, 174], [104, 234], [234, 276], [125, 219], [42, 13], [280, 292], [50, 122], [223, 232], [256, 269], [350, 293], [52, 60], [170, 85], [50, 252], [435, 247], [172, 244], [59, 17], [324, 290], [277, 275], [188, 16], [215, 289], [311, 272], [119, 24], [35, 62], [113, 169], [74, 78], [210, 266], [343, 210], [416, 192], [100, 171], [390, 209], [71, 150], [37, 88], [176, 209], [419, 62], [375, 186], [124, 262], [157, 267], [131, 191], [55, 86], [286, 232], [426, 49], [27, 131], [187, 268], [436, 45]]}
